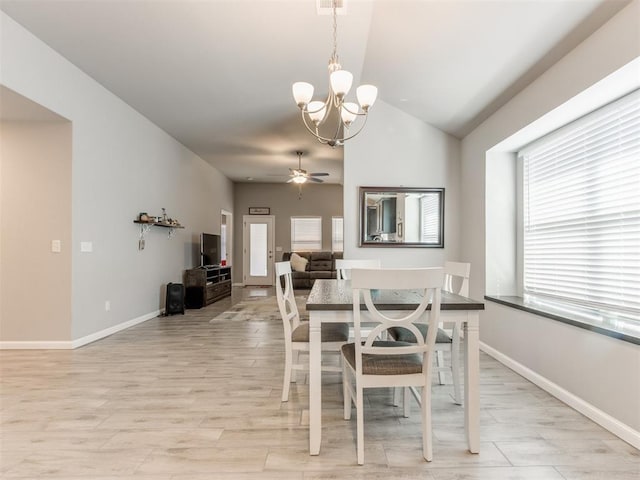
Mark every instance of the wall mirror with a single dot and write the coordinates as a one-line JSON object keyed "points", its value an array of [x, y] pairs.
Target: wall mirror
{"points": [[401, 217]]}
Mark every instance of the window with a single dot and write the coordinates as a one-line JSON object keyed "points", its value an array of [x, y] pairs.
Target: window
{"points": [[337, 234], [306, 234], [581, 210]]}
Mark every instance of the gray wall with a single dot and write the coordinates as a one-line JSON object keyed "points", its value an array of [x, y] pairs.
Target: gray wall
{"points": [[121, 165], [596, 374], [398, 150], [317, 200]]}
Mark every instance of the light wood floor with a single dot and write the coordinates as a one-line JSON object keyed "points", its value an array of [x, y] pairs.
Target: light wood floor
{"points": [[185, 397]]}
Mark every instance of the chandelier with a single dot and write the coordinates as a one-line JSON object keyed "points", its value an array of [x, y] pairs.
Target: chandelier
{"points": [[316, 113]]}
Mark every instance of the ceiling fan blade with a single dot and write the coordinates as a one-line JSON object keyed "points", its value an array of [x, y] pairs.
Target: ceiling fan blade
{"points": [[313, 179], [319, 174], [290, 180]]}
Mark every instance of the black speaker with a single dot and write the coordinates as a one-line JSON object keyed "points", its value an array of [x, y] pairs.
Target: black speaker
{"points": [[194, 297], [175, 299]]}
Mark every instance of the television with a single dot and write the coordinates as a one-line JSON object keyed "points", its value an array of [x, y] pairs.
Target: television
{"points": [[209, 249]]}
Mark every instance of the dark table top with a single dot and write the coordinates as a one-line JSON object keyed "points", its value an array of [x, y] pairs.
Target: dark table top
{"points": [[337, 295]]}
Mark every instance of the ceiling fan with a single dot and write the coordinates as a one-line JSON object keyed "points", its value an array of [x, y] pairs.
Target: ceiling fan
{"points": [[300, 176]]}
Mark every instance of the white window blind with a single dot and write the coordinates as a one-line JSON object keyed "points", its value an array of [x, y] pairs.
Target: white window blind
{"points": [[582, 209], [430, 220], [306, 234], [337, 234]]}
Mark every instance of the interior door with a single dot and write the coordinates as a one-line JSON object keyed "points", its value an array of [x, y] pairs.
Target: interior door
{"points": [[258, 241]]}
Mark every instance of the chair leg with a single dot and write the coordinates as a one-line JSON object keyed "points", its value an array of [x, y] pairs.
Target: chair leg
{"points": [[360, 424], [396, 396], [455, 371], [296, 360], [406, 401], [287, 374], [427, 441], [440, 364], [346, 393]]}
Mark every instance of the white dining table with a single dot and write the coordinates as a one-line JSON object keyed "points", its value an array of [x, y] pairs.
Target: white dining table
{"points": [[331, 301]]}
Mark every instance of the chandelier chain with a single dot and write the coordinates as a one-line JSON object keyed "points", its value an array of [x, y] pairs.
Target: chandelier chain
{"points": [[334, 57]]}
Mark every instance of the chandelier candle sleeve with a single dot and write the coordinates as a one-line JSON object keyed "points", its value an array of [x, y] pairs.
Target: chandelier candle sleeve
{"points": [[316, 113]]}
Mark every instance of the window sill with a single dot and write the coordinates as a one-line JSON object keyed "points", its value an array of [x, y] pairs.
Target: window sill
{"points": [[609, 323]]}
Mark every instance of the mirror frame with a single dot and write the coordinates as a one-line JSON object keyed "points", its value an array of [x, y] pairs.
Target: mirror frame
{"points": [[362, 240]]}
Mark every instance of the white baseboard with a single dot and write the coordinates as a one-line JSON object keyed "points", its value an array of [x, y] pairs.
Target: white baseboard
{"points": [[44, 345], [79, 342], [615, 426]]}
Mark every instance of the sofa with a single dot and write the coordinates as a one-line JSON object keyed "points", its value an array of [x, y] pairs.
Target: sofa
{"points": [[320, 265]]}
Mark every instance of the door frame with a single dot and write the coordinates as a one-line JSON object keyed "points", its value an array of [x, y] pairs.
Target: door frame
{"points": [[271, 224], [229, 237]]}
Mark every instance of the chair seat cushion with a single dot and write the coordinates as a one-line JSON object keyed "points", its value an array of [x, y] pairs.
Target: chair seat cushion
{"points": [[331, 332], [403, 335], [384, 364]]}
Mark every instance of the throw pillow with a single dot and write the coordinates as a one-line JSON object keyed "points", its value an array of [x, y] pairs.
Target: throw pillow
{"points": [[298, 263]]}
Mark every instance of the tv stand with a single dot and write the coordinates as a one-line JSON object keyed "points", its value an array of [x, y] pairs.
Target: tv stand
{"points": [[206, 285]]}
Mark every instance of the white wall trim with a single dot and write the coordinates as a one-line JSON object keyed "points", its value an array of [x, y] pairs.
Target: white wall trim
{"points": [[615, 426], [79, 342], [44, 345]]}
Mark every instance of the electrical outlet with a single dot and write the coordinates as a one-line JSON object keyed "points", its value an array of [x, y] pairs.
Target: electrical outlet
{"points": [[107, 306], [56, 246], [86, 247]]}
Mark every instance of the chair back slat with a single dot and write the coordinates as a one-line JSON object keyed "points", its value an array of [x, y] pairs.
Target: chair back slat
{"points": [[286, 298], [426, 281], [344, 266], [456, 277]]}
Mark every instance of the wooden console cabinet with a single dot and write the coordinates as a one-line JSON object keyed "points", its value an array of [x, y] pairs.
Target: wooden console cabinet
{"points": [[206, 285]]}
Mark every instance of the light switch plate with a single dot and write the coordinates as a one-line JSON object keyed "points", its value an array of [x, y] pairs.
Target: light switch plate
{"points": [[56, 246], [86, 247]]}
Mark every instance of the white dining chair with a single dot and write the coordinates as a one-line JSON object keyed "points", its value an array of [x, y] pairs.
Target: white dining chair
{"points": [[344, 266], [373, 363], [456, 280], [296, 333]]}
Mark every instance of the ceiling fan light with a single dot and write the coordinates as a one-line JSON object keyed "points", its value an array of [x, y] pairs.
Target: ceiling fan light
{"points": [[366, 96], [317, 110], [341, 81], [299, 179], [302, 93], [349, 112]]}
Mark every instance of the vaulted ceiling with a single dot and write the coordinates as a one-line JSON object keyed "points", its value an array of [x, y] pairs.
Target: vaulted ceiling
{"points": [[217, 74]]}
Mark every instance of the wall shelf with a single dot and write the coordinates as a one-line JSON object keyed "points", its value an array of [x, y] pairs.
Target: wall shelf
{"points": [[146, 226]]}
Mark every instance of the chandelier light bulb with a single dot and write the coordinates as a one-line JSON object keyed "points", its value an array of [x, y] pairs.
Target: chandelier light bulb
{"points": [[302, 93], [366, 96], [349, 112], [316, 111], [341, 81]]}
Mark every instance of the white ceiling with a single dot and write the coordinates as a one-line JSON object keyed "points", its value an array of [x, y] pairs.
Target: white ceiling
{"points": [[217, 74]]}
